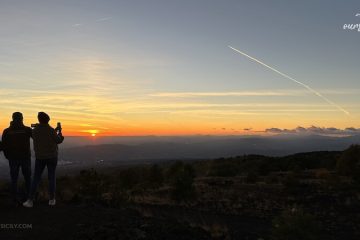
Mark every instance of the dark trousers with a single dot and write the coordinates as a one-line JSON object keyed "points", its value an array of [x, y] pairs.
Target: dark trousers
{"points": [[40, 165], [15, 165]]}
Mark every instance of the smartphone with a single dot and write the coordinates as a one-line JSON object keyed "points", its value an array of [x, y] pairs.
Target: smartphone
{"points": [[58, 126]]}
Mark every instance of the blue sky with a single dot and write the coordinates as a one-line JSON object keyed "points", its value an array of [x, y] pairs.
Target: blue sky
{"points": [[163, 67]]}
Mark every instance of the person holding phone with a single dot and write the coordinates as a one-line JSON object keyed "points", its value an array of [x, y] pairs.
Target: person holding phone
{"points": [[46, 140]]}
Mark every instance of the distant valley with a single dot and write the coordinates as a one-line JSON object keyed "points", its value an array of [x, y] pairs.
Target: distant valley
{"points": [[85, 152]]}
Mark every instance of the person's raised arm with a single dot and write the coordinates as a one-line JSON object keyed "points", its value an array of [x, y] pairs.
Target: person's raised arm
{"points": [[58, 137]]}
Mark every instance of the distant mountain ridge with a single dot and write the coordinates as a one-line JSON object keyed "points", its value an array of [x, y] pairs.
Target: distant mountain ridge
{"points": [[153, 149], [280, 145]]}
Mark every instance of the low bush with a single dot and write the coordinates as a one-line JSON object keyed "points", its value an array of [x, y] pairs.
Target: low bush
{"points": [[296, 225]]}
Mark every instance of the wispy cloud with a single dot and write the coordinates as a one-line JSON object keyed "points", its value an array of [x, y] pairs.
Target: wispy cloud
{"points": [[222, 94], [97, 20], [77, 25], [286, 92], [103, 19]]}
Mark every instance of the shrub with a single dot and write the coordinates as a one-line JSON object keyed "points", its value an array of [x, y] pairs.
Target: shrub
{"points": [[174, 169], [129, 178], [251, 177], [224, 169], [272, 179], [3, 186], [349, 162], [156, 176], [182, 182], [296, 225], [91, 184], [291, 183], [66, 188], [322, 173], [116, 196]]}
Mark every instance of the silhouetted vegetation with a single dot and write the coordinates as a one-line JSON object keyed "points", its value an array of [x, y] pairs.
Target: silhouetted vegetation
{"points": [[91, 184], [262, 165], [251, 177], [254, 187], [156, 176], [182, 181], [291, 182], [295, 224], [349, 163]]}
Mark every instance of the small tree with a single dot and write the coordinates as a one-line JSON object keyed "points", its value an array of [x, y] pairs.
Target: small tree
{"points": [[349, 162]]}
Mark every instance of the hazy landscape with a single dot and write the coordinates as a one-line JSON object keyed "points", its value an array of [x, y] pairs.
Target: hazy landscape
{"points": [[84, 152], [310, 195]]}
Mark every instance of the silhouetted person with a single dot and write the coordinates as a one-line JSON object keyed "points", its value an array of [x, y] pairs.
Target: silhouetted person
{"points": [[46, 140], [16, 147]]}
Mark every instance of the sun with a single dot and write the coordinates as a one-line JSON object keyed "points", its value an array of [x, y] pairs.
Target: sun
{"points": [[92, 132]]}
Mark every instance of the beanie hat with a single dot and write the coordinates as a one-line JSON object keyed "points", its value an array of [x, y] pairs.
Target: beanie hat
{"points": [[43, 117]]}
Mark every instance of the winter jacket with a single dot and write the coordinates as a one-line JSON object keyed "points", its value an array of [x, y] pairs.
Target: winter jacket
{"points": [[45, 141], [16, 141]]}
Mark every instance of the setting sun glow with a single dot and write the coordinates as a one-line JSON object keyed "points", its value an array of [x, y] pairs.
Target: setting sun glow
{"points": [[129, 69]]}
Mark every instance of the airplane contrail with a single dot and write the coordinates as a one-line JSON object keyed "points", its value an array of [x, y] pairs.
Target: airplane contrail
{"points": [[292, 79]]}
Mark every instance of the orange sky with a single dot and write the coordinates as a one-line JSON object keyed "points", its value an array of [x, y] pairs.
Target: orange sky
{"points": [[217, 122]]}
